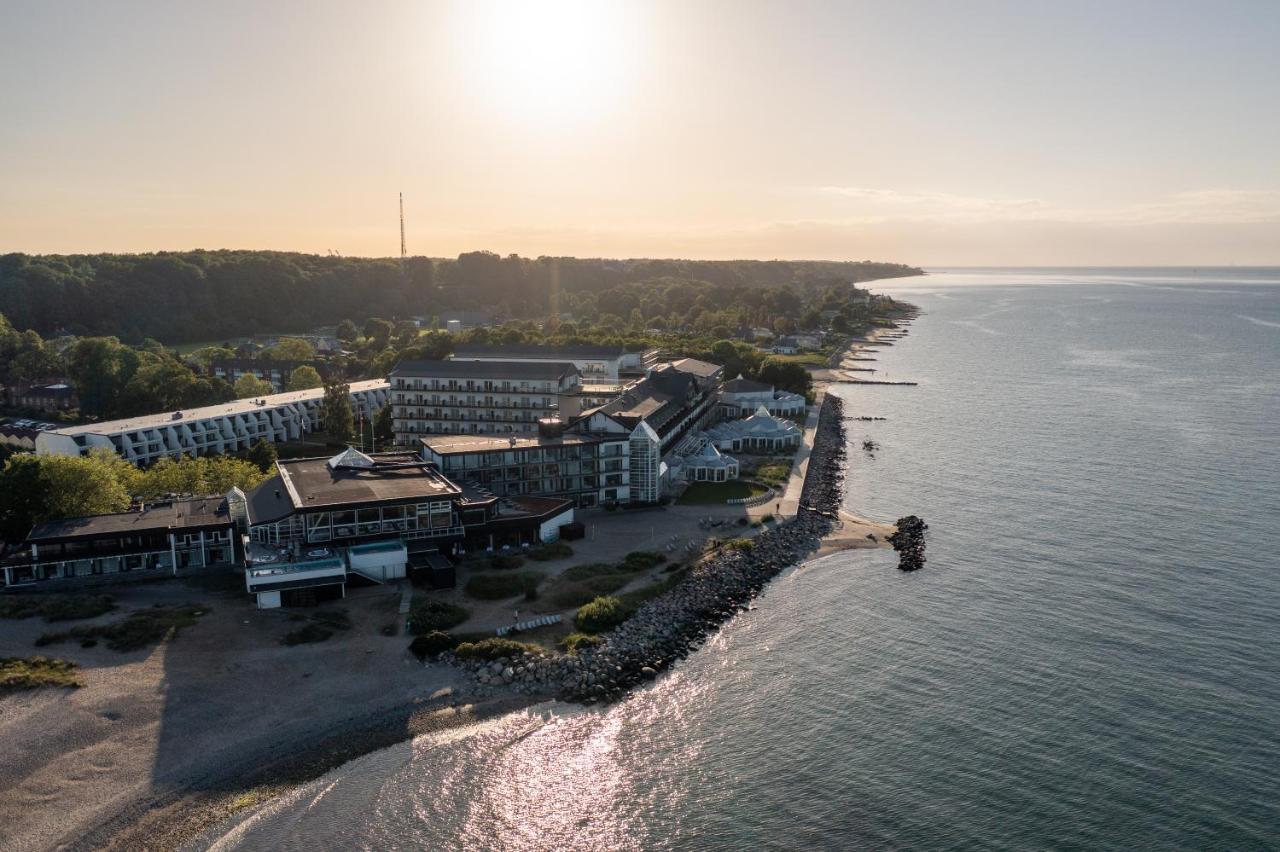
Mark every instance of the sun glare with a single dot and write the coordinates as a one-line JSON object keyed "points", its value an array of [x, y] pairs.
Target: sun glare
{"points": [[549, 60]]}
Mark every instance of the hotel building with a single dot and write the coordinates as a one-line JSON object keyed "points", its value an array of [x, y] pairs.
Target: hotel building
{"points": [[227, 428]]}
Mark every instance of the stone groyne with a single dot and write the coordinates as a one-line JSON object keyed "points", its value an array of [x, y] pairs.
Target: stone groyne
{"points": [[669, 627]]}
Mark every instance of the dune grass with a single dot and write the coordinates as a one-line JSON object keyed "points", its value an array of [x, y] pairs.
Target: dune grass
{"points": [[135, 631], [55, 607], [18, 673]]}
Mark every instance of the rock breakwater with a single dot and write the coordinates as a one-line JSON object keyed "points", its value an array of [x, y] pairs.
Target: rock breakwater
{"points": [[908, 540]]}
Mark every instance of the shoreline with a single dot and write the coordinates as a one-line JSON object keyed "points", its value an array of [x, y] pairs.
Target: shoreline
{"points": [[820, 528]]}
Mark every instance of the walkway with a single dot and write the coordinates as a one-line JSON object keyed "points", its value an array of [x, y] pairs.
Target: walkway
{"points": [[800, 462]]}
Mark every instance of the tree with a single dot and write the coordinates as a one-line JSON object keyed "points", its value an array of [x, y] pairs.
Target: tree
{"points": [[291, 349], [336, 413], [378, 331], [263, 454], [786, 375], [100, 367], [206, 355], [23, 496], [249, 385], [304, 378], [406, 332], [81, 485], [383, 426], [347, 331]]}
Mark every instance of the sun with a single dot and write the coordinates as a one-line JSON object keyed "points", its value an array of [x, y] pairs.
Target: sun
{"points": [[546, 60]]}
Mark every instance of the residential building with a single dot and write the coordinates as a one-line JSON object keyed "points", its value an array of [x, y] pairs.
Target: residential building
{"points": [[672, 400], [704, 464], [227, 428], [157, 539], [596, 364], [480, 397], [47, 396], [739, 396], [276, 372], [589, 469]]}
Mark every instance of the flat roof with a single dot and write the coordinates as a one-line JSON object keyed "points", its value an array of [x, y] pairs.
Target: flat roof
{"points": [[696, 367], [236, 406], [485, 369], [312, 484], [452, 444], [535, 350], [154, 517]]}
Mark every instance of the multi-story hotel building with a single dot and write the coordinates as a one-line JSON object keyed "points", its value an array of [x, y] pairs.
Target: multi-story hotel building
{"points": [[227, 428], [480, 397], [591, 470]]}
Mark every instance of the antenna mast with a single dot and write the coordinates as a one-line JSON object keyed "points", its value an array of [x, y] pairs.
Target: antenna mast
{"points": [[403, 252]]}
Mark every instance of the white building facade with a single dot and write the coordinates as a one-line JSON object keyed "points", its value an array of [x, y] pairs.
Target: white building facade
{"points": [[216, 429]]}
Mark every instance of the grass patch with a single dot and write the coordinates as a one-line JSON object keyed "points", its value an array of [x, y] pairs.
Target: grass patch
{"points": [[428, 614], [32, 672], [319, 627], [55, 607], [496, 587], [773, 473], [136, 630], [493, 648], [603, 613], [575, 641], [710, 493], [642, 560], [581, 584], [806, 359], [549, 551]]}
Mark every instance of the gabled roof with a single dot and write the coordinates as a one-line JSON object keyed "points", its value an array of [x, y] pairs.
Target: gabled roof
{"points": [[741, 385]]}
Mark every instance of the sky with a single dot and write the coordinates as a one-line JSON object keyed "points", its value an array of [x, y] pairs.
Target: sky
{"points": [[1027, 132]]}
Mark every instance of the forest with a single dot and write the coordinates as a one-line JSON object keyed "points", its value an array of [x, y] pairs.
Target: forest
{"points": [[195, 296]]}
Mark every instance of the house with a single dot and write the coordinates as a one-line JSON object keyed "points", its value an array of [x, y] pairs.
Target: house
{"points": [[274, 372], [226, 428], [48, 396], [480, 397], [739, 396], [705, 464], [785, 346]]}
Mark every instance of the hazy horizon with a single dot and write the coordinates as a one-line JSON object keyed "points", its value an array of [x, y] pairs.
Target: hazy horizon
{"points": [[994, 134]]}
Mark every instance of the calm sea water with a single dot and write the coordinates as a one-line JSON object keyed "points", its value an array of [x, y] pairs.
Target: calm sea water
{"points": [[1091, 658]]}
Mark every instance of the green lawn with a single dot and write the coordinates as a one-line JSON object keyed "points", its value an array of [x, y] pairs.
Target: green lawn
{"points": [[774, 473], [708, 493]]}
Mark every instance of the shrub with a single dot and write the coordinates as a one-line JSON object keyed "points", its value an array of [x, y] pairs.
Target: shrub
{"points": [[504, 562], [574, 641], [592, 569], [744, 544], [642, 560], [137, 630], [55, 607], [496, 587], [31, 672], [493, 648], [311, 632], [429, 614], [431, 643], [601, 614], [550, 550]]}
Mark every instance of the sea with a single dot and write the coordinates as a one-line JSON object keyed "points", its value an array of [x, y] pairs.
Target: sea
{"points": [[1089, 660]]}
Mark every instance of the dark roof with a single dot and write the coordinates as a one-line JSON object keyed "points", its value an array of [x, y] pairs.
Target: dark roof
{"points": [[199, 513], [534, 350], [552, 370], [741, 385], [269, 502], [312, 484]]}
